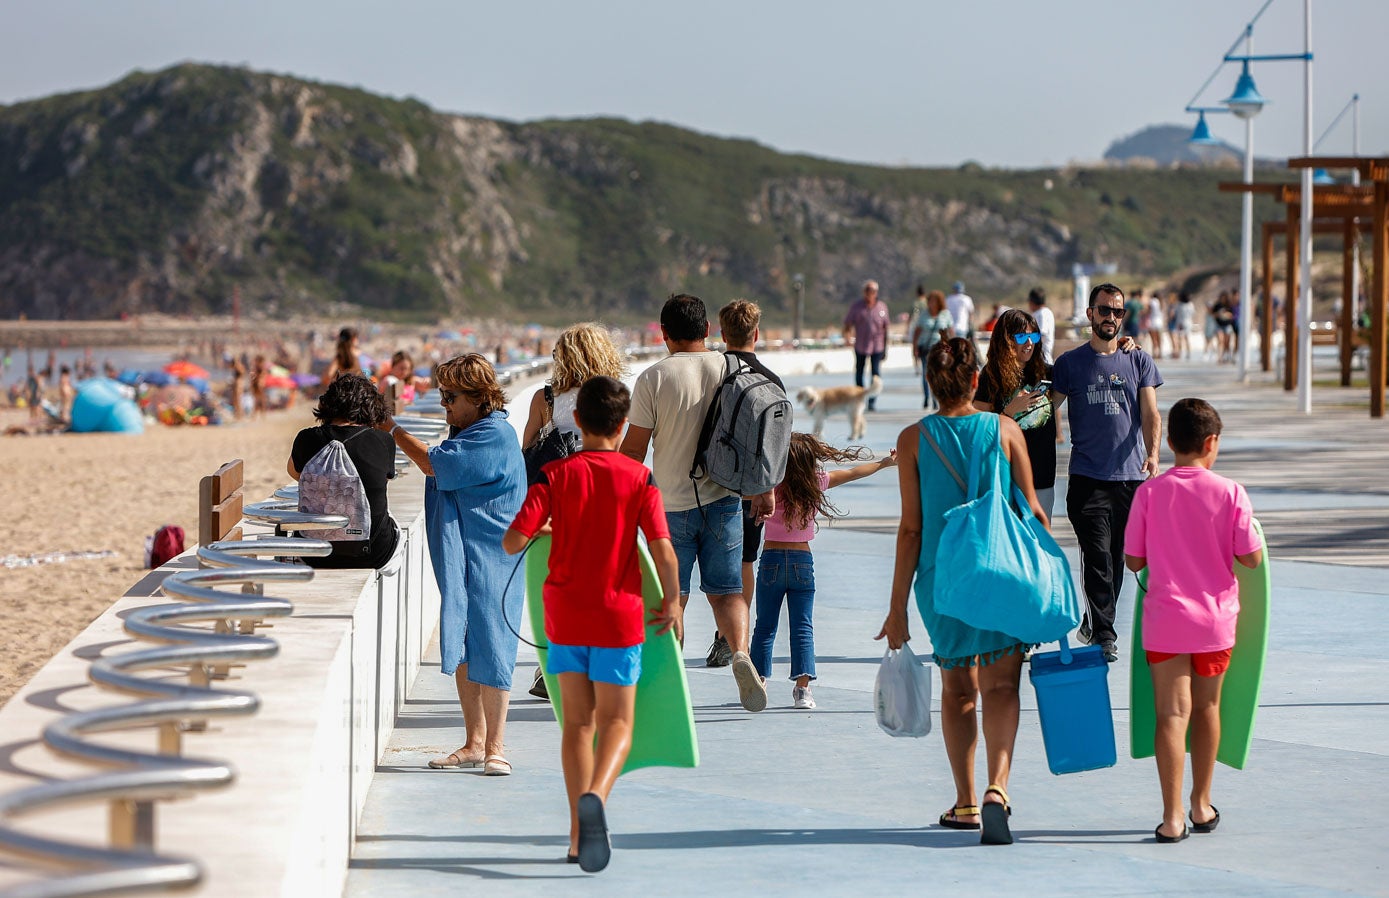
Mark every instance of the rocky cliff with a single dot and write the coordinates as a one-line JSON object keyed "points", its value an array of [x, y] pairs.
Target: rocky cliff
{"points": [[165, 190]]}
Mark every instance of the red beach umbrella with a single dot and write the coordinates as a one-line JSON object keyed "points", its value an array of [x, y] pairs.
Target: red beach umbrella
{"points": [[185, 369]]}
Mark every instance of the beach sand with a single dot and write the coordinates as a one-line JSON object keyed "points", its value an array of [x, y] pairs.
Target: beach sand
{"points": [[94, 492]]}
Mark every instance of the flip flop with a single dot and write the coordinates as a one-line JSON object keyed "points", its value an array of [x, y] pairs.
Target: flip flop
{"points": [[1168, 840], [950, 819], [496, 765], [451, 761], [595, 849], [994, 830], [1207, 827]]}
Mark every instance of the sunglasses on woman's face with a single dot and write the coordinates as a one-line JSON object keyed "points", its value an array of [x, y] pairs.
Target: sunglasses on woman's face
{"points": [[1024, 339], [446, 397]]}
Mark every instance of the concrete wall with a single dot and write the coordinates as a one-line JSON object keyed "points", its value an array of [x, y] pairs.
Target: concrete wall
{"points": [[329, 700]]}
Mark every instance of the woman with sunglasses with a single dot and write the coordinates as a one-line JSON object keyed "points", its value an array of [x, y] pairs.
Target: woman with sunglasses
{"points": [[476, 484], [1015, 382]]}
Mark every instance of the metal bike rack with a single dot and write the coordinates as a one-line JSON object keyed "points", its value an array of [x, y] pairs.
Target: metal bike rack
{"points": [[139, 779]]}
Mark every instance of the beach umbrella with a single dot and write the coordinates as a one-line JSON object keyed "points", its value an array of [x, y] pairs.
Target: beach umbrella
{"points": [[156, 378], [278, 371], [452, 336], [279, 382], [306, 380], [130, 377], [185, 369]]}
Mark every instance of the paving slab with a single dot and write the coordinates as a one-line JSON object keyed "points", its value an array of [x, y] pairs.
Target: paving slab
{"points": [[792, 802]]}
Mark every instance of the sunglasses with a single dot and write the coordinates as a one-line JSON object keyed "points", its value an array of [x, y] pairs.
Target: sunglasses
{"points": [[1109, 311], [1024, 339], [447, 398]]}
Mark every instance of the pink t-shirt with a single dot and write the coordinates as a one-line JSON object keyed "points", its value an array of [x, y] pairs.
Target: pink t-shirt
{"points": [[1190, 523], [779, 531]]}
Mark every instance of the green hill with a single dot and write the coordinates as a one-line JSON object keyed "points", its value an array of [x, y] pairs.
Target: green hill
{"points": [[163, 191]]}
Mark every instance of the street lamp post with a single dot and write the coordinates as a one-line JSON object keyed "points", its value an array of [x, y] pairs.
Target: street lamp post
{"points": [[1245, 103], [798, 284], [1304, 337]]}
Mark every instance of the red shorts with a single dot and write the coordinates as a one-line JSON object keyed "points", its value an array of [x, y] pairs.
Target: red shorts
{"points": [[1203, 664]]}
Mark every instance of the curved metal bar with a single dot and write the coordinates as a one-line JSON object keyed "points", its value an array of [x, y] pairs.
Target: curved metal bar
{"points": [[139, 778]]}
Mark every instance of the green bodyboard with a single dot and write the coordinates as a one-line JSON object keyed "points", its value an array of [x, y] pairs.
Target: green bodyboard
{"points": [[1239, 696], [663, 733]]}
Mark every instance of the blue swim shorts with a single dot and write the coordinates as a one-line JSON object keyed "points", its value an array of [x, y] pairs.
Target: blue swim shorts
{"points": [[714, 538], [621, 667]]}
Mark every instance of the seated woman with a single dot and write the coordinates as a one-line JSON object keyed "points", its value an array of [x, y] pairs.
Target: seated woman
{"points": [[349, 411]]}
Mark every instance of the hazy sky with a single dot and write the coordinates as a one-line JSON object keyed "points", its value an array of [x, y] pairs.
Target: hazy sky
{"points": [[1016, 83]]}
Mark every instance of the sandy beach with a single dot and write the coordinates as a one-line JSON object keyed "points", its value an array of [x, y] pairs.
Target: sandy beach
{"points": [[107, 492]]}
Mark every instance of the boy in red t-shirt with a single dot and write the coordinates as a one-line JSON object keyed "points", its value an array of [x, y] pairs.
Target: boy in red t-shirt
{"points": [[594, 500]]}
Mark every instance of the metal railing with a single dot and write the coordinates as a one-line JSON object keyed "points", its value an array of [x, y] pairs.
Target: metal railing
{"points": [[142, 778]]}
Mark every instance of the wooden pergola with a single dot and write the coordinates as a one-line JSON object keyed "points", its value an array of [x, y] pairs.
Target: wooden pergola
{"points": [[1336, 209]]}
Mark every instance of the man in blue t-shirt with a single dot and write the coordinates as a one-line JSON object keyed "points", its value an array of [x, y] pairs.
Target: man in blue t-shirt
{"points": [[1115, 431]]}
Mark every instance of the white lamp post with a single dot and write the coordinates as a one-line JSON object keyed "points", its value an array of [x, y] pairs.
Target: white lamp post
{"points": [[1246, 102]]}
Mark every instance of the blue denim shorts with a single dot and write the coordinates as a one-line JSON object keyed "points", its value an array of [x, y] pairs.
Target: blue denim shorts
{"points": [[621, 667], [713, 537]]}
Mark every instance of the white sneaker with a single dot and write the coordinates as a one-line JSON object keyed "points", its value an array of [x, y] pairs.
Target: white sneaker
{"points": [[802, 698], [752, 689]]}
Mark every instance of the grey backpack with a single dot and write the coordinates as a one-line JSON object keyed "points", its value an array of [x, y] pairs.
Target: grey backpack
{"points": [[747, 432], [330, 484]]}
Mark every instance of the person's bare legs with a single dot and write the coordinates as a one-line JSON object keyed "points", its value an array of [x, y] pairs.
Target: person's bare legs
{"points": [[484, 716], [1205, 741], [731, 618], [576, 745], [959, 690], [749, 586], [998, 691], [1172, 704], [614, 711]]}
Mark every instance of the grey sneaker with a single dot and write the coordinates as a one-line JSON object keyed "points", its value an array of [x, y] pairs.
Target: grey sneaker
{"points": [[1111, 652], [720, 653], [752, 690], [1083, 634], [802, 699]]}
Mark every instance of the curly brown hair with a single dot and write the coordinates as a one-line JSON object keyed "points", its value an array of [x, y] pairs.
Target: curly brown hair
{"points": [[1004, 372], [473, 376], [799, 497]]}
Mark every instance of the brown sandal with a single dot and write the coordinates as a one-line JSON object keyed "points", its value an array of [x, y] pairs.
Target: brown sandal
{"points": [[951, 818], [453, 760]]}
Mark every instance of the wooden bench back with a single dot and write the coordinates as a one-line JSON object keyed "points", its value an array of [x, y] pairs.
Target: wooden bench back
{"points": [[219, 503]]}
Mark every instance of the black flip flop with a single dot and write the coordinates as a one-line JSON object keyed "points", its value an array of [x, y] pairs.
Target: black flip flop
{"points": [[595, 850], [1168, 840], [950, 819], [995, 829], [1209, 826]]}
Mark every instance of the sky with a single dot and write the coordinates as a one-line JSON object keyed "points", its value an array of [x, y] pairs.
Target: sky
{"points": [[1004, 83]]}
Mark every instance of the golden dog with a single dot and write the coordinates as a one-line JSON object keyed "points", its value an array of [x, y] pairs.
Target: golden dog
{"points": [[850, 400]]}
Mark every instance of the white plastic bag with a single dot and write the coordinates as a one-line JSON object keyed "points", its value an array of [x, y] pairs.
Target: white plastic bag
{"points": [[902, 694]]}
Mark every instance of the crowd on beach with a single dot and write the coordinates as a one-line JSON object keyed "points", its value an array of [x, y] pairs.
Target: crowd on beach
{"points": [[580, 475]]}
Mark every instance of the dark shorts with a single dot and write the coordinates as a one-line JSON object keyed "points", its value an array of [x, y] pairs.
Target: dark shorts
{"points": [[752, 534]]}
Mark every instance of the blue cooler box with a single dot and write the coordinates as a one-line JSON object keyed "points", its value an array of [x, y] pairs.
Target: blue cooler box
{"points": [[1073, 704]]}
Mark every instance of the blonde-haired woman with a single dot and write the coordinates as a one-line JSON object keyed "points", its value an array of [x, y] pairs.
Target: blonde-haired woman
{"points": [[476, 482], [581, 352]]}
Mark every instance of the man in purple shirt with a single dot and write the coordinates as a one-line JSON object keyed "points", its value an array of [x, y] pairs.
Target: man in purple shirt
{"points": [[867, 319]]}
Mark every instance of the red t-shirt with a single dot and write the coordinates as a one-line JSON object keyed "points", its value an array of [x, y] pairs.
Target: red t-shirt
{"points": [[594, 502]]}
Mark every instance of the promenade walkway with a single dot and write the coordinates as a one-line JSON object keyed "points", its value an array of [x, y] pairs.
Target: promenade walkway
{"points": [[818, 802]]}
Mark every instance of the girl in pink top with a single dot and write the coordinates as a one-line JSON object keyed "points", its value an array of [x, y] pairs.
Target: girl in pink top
{"points": [[1187, 527], [787, 570]]}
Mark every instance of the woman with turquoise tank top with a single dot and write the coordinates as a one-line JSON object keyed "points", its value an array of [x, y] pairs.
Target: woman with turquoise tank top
{"points": [[973, 662]]}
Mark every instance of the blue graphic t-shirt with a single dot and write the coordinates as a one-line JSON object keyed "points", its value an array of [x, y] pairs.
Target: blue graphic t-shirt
{"points": [[1102, 409]]}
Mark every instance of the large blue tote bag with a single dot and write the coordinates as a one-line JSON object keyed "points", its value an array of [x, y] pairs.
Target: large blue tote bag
{"points": [[1002, 570]]}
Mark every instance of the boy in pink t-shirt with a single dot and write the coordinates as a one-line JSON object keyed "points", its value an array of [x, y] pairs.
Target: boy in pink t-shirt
{"points": [[1185, 527]]}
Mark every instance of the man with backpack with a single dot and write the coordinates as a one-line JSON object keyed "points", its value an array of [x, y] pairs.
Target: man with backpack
{"points": [[739, 323], [670, 402]]}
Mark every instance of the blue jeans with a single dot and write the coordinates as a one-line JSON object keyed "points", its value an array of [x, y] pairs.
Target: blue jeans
{"points": [[713, 537], [788, 574]]}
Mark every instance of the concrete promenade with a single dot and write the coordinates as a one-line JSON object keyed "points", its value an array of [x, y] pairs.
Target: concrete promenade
{"points": [[800, 802]]}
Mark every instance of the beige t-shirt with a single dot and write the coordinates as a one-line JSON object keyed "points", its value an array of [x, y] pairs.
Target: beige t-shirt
{"points": [[671, 398]]}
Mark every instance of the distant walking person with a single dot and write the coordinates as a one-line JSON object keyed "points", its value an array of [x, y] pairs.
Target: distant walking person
{"points": [[346, 357], [932, 326], [1046, 322], [1187, 528], [867, 320], [1115, 427], [961, 308], [669, 403]]}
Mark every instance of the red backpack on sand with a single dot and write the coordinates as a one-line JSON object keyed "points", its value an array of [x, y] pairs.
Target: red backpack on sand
{"points": [[165, 545]]}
